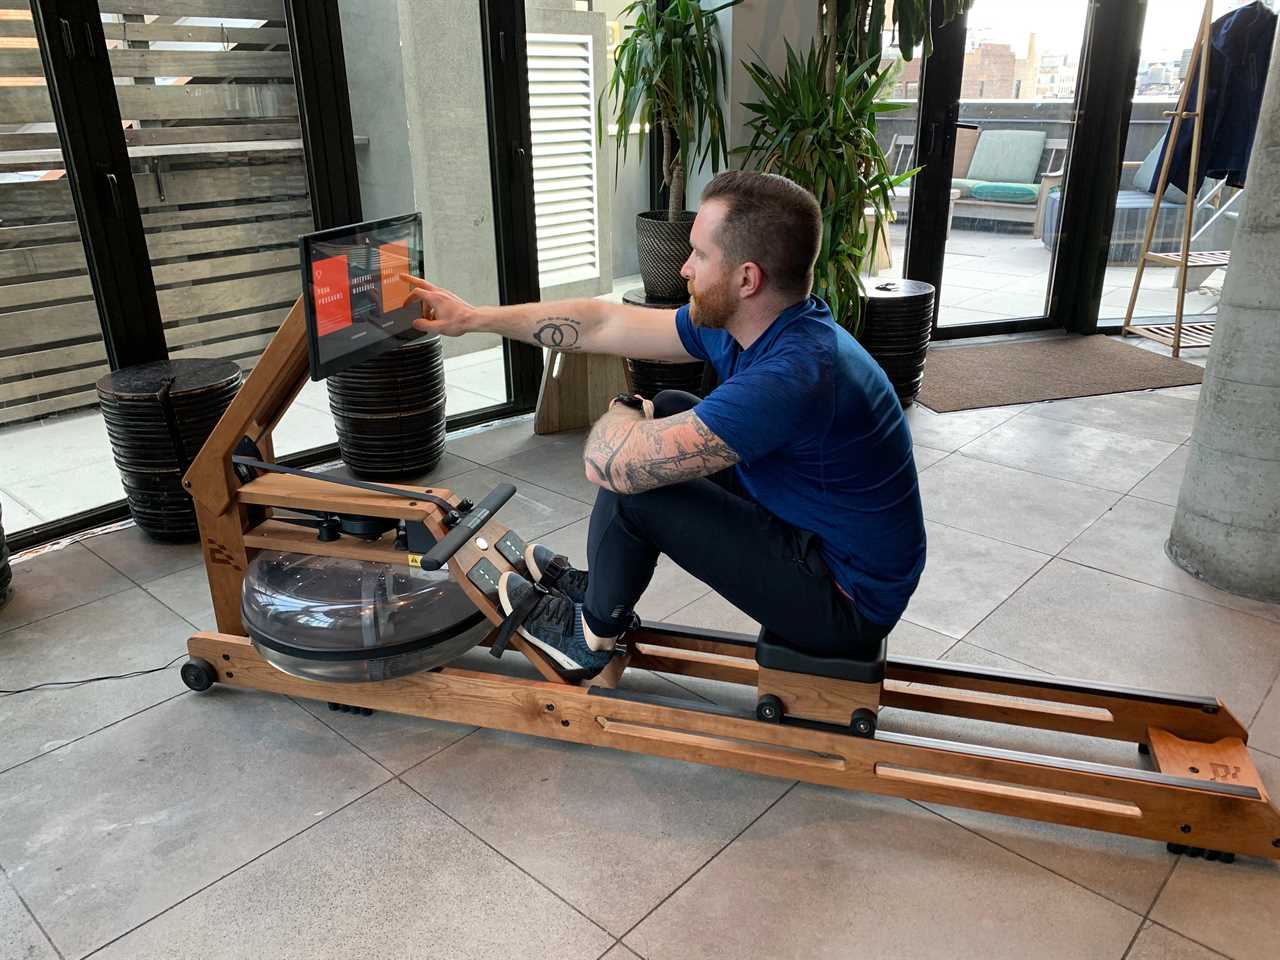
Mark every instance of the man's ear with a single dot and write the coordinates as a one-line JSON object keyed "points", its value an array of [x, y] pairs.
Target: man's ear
{"points": [[750, 279]]}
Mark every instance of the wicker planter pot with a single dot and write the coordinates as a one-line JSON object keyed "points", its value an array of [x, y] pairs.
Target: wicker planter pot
{"points": [[663, 246]]}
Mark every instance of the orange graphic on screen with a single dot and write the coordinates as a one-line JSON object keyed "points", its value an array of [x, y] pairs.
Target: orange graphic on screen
{"points": [[393, 260], [331, 289]]}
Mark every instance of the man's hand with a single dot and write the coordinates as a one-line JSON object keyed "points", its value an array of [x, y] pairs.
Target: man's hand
{"points": [[646, 410], [442, 312]]}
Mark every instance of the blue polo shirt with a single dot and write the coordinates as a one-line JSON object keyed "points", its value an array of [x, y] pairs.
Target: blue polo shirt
{"points": [[824, 446]]}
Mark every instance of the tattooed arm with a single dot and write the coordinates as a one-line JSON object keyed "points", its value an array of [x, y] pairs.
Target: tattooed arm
{"points": [[629, 453], [587, 326]]}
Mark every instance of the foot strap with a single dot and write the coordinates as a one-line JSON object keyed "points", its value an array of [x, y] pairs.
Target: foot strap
{"points": [[516, 618], [554, 570]]}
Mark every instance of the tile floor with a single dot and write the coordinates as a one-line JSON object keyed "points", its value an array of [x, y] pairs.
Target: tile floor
{"points": [[140, 820]]}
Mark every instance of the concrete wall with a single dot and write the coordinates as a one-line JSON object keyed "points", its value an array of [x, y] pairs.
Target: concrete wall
{"points": [[386, 180]]}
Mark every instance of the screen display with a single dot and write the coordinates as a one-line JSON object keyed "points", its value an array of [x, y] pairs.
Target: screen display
{"points": [[356, 298]]}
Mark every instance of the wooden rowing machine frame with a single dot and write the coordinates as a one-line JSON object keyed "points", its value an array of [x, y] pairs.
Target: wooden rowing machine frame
{"points": [[1204, 794]]}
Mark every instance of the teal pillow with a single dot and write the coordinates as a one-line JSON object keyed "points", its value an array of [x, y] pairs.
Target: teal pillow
{"points": [[1007, 156], [964, 185], [1144, 177], [1007, 192]]}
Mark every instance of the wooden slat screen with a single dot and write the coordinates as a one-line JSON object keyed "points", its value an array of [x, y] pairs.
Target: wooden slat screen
{"points": [[212, 125]]}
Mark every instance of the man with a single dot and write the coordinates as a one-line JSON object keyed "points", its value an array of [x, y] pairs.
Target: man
{"points": [[790, 490]]}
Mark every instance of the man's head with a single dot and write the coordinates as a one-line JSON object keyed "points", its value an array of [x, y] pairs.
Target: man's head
{"points": [[756, 235]]}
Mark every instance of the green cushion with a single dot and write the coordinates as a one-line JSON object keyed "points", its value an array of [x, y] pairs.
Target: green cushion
{"points": [[1007, 156], [964, 185], [1007, 192]]}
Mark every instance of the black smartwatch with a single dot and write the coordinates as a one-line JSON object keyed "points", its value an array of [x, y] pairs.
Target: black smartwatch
{"points": [[630, 400]]}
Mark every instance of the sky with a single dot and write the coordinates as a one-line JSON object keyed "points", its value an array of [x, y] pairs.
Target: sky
{"points": [[1170, 25]]}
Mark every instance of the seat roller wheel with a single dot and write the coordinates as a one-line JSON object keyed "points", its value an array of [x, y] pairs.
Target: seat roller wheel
{"points": [[769, 709], [864, 723]]}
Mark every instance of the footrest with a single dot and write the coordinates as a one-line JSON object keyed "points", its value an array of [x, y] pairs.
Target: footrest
{"points": [[773, 653]]}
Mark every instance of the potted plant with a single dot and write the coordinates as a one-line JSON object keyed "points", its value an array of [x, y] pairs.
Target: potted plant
{"points": [[667, 76], [816, 124], [826, 142]]}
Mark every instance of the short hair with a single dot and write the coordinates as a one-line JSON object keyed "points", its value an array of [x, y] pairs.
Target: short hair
{"points": [[771, 221]]}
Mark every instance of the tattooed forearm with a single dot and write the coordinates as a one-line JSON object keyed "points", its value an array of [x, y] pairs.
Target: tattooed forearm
{"points": [[558, 333], [671, 456], [605, 443], [632, 457]]}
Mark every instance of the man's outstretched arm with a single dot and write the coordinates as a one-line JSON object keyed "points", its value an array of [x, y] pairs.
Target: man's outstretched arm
{"points": [[630, 453]]}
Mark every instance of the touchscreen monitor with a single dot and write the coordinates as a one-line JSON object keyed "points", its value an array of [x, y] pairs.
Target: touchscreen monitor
{"points": [[356, 301]]}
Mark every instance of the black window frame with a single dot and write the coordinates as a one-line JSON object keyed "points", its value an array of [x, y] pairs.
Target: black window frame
{"points": [[77, 70], [1104, 93]]}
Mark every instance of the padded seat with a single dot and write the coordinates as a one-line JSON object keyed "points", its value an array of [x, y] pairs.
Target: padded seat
{"points": [[773, 654]]}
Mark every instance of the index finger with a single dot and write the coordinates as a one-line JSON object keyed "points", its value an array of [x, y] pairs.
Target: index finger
{"points": [[417, 282]]}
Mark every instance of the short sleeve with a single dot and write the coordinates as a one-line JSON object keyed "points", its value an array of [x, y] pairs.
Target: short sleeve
{"points": [[765, 407], [690, 337]]}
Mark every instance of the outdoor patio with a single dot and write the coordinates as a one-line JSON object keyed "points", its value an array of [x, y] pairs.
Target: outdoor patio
{"points": [[992, 276], [143, 820]]}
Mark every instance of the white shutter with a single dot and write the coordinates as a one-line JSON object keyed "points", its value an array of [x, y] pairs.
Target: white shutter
{"points": [[562, 120]]}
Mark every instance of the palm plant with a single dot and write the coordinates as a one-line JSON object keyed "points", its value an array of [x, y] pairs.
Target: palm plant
{"points": [[668, 73], [826, 142]]}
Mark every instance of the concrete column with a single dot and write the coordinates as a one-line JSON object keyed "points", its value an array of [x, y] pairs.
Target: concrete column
{"points": [[1227, 527]]}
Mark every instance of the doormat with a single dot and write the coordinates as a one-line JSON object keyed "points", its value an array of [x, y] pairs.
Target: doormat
{"points": [[993, 375]]}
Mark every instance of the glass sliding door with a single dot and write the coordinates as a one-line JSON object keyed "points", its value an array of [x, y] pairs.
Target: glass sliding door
{"points": [[1016, 121], [55, 460]]}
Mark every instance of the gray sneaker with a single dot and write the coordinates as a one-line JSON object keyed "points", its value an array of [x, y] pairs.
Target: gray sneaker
{"points": [[554, 626], [551, 570]]}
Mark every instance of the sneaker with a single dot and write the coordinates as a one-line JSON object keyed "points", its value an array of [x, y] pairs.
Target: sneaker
{"points": [[554, 626], [553, 572]]}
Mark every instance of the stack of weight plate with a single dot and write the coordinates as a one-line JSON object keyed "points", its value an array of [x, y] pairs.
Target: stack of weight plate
{"points": [[6, 574], [649, 377], [896, 329], [389, 411], [158, 416]]}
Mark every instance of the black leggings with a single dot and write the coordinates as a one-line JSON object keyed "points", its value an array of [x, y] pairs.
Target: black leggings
{"points": [[768, 569]]}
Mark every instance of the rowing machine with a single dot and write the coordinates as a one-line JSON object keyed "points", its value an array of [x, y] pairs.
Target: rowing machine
{"points": [[815, 720]]}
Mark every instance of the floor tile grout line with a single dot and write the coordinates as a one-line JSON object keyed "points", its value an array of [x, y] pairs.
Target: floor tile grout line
{"points": [[94, 732], [339, 734], [728, 843], [412, 766], [1163, 589], [448, 746], [987, 536], [1146, 916], [531, 483], [1179, 933], [1275, 685], [237, 869], [24, 505], [31, 913], [171, 573], [50, 616], [1028, 859], [1012, 593], [1129, 492], [609, 949], [1048, 476], [692, 693], [1089, 487], [462, 826]]}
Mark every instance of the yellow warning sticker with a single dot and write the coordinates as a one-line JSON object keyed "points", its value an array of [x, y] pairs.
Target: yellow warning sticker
{"points": [[415, 560]]}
